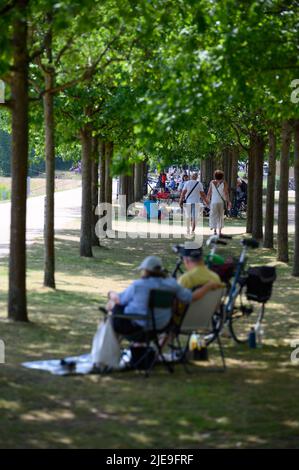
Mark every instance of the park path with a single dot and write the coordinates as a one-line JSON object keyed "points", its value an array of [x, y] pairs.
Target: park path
{"points": [[68, 213], [67, 209]]}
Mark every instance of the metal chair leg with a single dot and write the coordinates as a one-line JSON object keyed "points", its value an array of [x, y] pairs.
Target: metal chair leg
{"points": [[161, 355]]}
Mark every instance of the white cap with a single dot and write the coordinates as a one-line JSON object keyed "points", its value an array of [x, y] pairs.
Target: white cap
{"points": [[151, 263]]}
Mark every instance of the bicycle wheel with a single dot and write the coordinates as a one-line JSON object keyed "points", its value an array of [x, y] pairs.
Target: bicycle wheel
{"points": [[243, 317]]}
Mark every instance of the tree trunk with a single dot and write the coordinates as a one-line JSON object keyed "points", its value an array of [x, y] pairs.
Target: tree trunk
{"points": [[108, 179], [257, 212], [145, 175], [123, 191], [225, 163], [269, 218], [296, 174], [108, 182], [86, 209], [234, 171], [138, 181], [131, 193], [250, 187], [49, 230], [102, 170], [228, 170], [126, 188], [207, 169], [95, 189], [17, 302], [282, 237]]}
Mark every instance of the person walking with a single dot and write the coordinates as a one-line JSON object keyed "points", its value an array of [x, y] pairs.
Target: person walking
{"points": [[191, 198], [218, 197], [182, 183]]}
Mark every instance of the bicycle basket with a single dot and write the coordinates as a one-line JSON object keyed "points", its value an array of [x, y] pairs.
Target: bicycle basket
{"points": [[259, 283], [225, 271]]}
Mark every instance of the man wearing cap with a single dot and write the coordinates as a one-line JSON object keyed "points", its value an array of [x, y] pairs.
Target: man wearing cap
{"points": [[135, 299], [197, 272]]}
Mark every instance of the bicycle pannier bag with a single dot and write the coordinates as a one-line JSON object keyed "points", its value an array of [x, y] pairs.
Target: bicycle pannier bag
{"points": [[225, 271], [259, 283]]}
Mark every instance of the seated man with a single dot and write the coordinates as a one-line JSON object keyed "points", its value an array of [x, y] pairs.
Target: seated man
{"points": [[197, 272], [135, 299], [197, 275]]}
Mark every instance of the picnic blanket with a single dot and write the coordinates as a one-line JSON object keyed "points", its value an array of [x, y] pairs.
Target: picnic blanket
{"points": [[83, 365], [75, 365]]}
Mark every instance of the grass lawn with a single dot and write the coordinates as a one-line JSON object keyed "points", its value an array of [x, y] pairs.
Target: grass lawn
{"points": [[64, 180], [253, 404]]}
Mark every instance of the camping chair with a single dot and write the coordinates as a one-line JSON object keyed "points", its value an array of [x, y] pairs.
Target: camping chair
{"points": [[158, 300], [200, 317]]}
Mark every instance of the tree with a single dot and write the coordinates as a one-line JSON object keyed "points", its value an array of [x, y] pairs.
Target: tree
{"points": [[17, 302], [296, 171], [282, 237], [269, 217]]}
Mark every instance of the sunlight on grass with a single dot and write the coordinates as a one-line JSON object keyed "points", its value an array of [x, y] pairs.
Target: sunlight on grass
{"points": [[253, 404]]}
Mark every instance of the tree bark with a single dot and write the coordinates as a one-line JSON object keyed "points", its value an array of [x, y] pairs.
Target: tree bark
{"points": [[131, 193], [126, 187], [108, 182], [95, 189], [86, 209], [234, 171], [207, 169], [257, 212], [108, 178], [138, 181], [17, 302], [282, 237], [123, 191], [145, 174], [49, 230], [270, 200], [295, 271], [102, 157], [249, 215]]}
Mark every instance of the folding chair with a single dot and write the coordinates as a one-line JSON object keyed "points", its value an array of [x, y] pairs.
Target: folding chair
{"points": [[199, 317], [159, 301]]}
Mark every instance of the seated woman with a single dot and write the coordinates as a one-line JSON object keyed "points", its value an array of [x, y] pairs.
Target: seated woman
{"points": [[135, 299]]}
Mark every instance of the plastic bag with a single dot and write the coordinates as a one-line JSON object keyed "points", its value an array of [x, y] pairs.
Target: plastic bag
{"points": [[105, 346]]}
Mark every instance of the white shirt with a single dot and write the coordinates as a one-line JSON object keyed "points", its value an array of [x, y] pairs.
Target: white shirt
{"points": [[195, 196]]}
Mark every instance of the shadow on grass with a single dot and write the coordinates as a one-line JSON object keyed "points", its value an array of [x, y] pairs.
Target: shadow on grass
{"points": [[254, 404]]}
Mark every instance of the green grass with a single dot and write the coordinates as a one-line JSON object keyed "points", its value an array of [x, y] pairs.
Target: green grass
{"points": [[253, 404], [4, 192], [63, 181]]}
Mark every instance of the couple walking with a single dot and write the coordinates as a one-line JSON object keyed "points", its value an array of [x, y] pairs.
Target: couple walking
{"points": [[217, 199]]}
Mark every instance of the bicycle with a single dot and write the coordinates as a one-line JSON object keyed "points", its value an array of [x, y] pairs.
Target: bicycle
{"points": [[239, 207], [239, 316]]}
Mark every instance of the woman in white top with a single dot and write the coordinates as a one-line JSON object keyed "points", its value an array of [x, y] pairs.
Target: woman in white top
{"points": [[218, 196]]}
